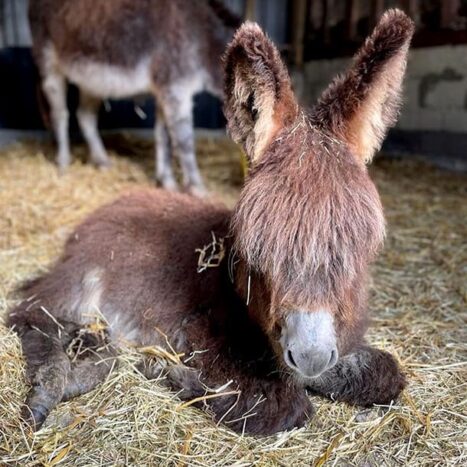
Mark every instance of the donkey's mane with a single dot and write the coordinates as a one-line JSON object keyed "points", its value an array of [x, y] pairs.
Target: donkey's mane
{"points": [[308, 214]]}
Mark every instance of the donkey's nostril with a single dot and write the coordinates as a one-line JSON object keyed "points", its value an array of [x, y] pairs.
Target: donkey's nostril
{"points": [[332, 359], [291, 359]]}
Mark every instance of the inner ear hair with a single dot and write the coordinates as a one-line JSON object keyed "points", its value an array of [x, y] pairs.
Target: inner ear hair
{"points": [[258, 95], [251, 108]]}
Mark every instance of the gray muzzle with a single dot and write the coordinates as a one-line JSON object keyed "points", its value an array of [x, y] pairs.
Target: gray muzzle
{"points": [[309, 342]]}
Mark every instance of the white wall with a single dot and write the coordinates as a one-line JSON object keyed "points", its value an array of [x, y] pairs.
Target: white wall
{"points": [[435, 95]]}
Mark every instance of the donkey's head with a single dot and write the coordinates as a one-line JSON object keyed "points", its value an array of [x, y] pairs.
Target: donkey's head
{"points": [[309, 219]]}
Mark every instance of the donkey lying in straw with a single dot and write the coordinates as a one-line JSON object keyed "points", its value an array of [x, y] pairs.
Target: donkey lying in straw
{"points": [[285, 309], [171, 48]]}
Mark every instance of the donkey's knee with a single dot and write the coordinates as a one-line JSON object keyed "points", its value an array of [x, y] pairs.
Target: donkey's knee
{"points": [[88, 374], [387, 378], [87, 115], [183, 380], [164, 170], [264, 407], [366, 377]]}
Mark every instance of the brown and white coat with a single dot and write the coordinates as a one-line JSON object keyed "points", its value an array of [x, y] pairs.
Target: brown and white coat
{"points": [[169, 48]]}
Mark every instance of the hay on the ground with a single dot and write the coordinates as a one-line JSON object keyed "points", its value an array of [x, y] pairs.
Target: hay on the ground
{"points": [[417, 301]]}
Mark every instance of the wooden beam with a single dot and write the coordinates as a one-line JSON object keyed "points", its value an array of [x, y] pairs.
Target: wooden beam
{"points": [[325, 26], [2, 24], [412, 8], [449, 12], [352, 15], [376, 10], [315, 14], [250, 10], [299, 8]]}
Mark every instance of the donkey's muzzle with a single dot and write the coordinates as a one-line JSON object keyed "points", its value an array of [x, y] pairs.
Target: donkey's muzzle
{"points": [[309, 342]]}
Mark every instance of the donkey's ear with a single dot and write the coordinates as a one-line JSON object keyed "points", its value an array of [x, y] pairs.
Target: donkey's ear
{"points": [[258, 96], [361, 105]]}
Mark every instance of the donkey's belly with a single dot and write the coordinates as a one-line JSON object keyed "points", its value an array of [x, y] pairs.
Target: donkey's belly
{"points": [[105, 80]]}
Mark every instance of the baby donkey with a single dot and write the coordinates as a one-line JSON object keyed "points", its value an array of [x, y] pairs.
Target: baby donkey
{"points": [[285, 310]]}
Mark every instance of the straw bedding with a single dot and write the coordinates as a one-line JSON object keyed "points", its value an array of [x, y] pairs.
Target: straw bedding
{"points": [[418, 303]]}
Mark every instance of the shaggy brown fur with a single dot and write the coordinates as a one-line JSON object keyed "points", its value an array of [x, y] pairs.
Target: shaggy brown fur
{"points": [[307, 224], [170, 48]]}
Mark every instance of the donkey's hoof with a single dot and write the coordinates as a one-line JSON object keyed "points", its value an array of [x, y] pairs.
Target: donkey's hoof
{"points": [[170, 186], [35, 416], [62, 169], [197, 190], [63, 161], [102, 163]]}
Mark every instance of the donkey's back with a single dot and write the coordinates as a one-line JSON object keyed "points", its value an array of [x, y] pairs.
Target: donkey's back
{"points": [[170, 36], [143, 245]]}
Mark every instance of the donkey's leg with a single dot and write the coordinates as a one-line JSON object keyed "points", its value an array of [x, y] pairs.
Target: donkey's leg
{"points": [[248, 404], [179, 378], [177, 107], [164, 171], [47, 365], [366, 377], [93, 358], [87, 117], [263, 406], [54, 86], [48, 344]]}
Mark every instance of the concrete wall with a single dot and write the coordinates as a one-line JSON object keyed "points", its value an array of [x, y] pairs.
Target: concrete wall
{"points": [[435, 94]]}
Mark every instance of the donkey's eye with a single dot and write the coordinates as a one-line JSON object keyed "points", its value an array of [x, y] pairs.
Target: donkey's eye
{"points": [[250, 105]]}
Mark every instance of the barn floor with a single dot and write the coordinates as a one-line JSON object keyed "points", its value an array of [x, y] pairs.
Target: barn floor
{"points": [[418, 302]]}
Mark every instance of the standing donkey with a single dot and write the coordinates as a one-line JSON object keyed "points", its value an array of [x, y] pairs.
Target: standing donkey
{"points": [[120, 48], [285, 310]]}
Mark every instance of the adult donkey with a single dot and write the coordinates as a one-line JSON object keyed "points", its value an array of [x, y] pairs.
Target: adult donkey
{"points": [[120, 48], [286, 309]]}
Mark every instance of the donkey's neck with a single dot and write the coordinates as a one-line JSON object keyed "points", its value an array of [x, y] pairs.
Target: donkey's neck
{"points": [[225, 329]]}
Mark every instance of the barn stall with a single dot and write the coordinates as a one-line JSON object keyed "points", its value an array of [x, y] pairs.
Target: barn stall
{"points": [[418, 293]]}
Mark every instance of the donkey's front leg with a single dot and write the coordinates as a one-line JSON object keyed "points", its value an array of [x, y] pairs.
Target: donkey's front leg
{"points": [[245, 403], [366, 377], [263, 405]]}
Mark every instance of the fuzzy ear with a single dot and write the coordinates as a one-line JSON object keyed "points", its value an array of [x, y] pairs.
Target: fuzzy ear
{"points": [[361, 105], [258, 96]]}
